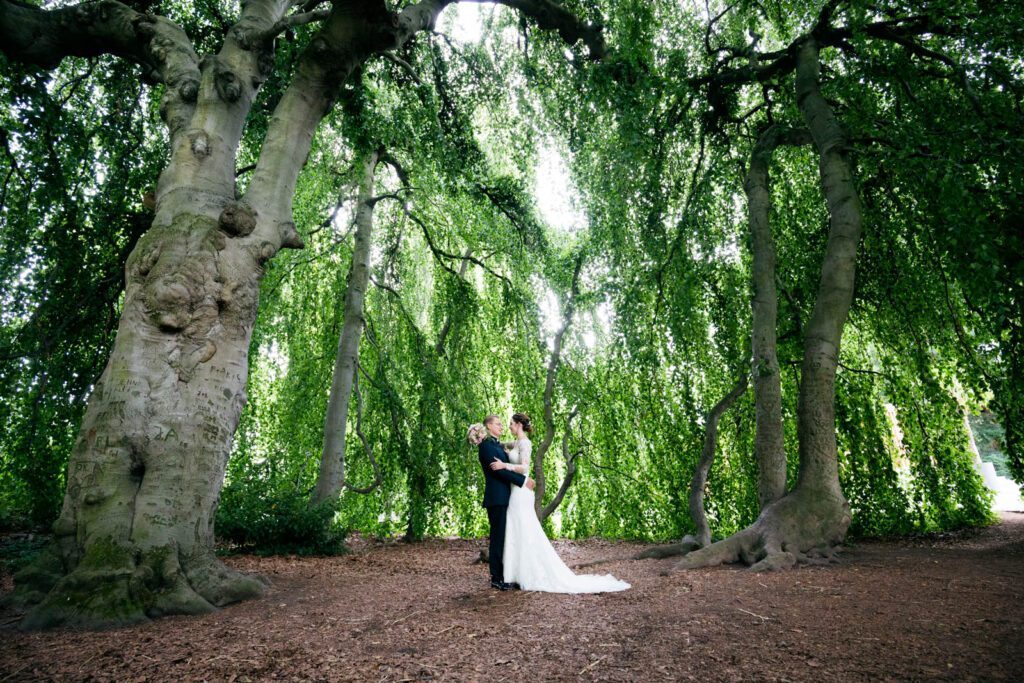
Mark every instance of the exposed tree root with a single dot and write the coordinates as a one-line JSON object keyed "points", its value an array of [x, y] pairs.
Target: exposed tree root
{"points": [[115, 586], [804, 527], [688, 544], [684, 547]]}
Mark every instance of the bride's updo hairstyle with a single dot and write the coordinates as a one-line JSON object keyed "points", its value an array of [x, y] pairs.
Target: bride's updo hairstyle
{"points": [[524, 421]]}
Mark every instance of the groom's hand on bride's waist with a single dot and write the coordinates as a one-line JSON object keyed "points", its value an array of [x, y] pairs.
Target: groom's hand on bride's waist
{"points": [[530, 483]]}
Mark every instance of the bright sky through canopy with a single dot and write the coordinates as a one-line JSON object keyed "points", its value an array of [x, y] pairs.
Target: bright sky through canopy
{"points": [[556, 198]]}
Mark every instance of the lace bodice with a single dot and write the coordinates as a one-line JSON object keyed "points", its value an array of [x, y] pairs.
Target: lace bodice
{"points": [[520, 454]]}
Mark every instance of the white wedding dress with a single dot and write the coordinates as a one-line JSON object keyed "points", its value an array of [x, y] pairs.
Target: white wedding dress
{"points": [[529, 558]]}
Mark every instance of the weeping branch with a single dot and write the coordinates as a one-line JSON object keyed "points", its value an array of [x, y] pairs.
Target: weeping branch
{"points": [[348, 36], [441, 254], [446, 328], [404, 66], [377, 477]]}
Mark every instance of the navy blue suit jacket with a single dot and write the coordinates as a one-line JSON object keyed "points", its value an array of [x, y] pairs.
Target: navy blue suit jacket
{"points": [[497, 486]]}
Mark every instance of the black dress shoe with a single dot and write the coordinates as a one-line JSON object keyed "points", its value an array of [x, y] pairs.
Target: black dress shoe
{"points": [[515, 586], [500, 585]]}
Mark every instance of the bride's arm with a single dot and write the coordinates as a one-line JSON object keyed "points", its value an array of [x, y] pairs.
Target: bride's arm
{"points": [[525, 451], [521, 469]]}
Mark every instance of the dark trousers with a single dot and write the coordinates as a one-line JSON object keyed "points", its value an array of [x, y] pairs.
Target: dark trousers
{"points": [[496, 516]]}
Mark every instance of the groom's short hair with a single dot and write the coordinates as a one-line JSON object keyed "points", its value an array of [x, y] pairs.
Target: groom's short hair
{"points": [[490, 418]]}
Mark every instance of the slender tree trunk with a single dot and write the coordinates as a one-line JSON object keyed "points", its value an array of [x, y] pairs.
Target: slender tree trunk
{"points": [[769, 449], [707, 457], [332, 459], [812, 519], [549, 394], [570, 470], [702, 536]]}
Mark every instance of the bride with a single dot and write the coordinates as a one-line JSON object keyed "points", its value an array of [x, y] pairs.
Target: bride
{"points": [[530, 559]]}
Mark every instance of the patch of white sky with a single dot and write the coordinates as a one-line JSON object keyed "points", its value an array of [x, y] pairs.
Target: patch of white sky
{"points": [[556, 197]]}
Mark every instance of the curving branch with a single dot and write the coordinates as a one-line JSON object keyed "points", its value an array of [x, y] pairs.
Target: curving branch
{"points": [[707, 456], [766, 66], [45, 37], [291, 21], [378, 478], [549, 392], [702, 535], [440, 254], [549, 15], [570, 471]]}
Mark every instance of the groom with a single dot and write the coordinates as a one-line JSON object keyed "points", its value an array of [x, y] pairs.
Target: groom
{"points": [[497, 490]]}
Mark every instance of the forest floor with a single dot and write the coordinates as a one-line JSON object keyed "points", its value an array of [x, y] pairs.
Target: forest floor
{"points": [[942, 607]]}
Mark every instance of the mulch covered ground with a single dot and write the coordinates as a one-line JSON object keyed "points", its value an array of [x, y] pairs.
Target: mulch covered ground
{"points": [[949, 607]]}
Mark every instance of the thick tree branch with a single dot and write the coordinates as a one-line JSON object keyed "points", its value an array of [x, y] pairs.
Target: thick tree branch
{"points": [[291, 21], [45, 37], [549, 15], [349, 35]]}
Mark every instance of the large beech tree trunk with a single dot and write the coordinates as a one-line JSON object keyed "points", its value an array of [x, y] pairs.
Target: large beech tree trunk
{"points": [[332, 459], [812, 519], [135, 536]]}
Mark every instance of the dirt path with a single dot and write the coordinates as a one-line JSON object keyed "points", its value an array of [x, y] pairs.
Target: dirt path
{"points": [[948, 608]]}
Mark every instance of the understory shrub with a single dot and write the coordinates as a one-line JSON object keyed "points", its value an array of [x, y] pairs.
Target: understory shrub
{"points": [[267, 518]]}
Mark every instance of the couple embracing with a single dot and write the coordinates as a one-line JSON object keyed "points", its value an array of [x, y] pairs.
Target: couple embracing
{"points": [[521, 556]]}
